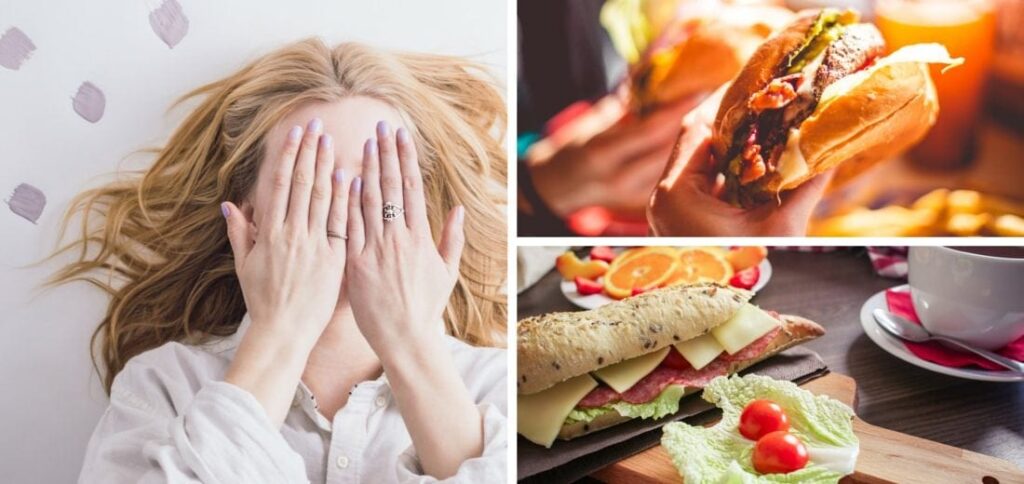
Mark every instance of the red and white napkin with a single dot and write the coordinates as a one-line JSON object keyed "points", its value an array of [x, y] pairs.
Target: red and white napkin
{"points": [[900, 304]]}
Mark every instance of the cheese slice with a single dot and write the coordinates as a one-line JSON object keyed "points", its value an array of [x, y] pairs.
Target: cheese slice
{"points": [[623, 375], [540, 415], [745, 327], [700, 351], [792, 164], [923, 53]]}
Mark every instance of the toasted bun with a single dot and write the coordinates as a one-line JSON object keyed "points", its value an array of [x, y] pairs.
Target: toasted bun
{"points": [[714, 53], [762, 67], [795, 330], [554, 347]]}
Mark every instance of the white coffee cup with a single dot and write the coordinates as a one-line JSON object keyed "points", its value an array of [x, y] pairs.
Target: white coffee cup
{"points": [[977, 299]]}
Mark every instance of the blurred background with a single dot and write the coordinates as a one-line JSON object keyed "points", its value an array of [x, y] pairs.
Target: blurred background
{"points": [[963, 179]]}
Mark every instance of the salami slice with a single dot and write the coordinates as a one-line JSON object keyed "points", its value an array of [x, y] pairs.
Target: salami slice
{"points": [[651, 385], [598, 397]]}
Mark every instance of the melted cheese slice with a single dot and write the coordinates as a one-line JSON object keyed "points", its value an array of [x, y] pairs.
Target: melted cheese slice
{"points": [[792, 164], [623, 375], [700, 351], [745, 327], [540, 415], [923, 53]]}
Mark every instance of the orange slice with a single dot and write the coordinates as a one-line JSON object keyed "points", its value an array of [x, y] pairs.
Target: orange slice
{"points": [[701, 264], [642, 268]]}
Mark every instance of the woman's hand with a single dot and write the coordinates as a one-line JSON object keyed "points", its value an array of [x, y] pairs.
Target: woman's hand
{"points": [[398, 280], [291, 270], [685, 202], [398, 284], [606, 157]]}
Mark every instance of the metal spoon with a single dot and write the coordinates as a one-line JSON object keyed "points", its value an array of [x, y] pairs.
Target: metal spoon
{"points": [[903, 329]]}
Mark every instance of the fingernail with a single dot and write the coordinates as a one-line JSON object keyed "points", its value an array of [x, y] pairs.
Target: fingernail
{"points": [[325, 141], [403, 135], [224, 209], [370, 148], [339, 175], [383, 130], [315, 124], [357, 184], [295, 133], [460, 214]]}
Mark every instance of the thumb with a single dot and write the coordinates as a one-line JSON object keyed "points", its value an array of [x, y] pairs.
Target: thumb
{"points": [[452, 240], [238, 231]]}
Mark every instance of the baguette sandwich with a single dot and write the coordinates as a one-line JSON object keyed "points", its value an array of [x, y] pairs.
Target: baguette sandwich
{"points": [[580, 372]]}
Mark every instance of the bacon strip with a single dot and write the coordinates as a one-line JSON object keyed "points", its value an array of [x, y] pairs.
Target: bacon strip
{"points": [[777, 94]]}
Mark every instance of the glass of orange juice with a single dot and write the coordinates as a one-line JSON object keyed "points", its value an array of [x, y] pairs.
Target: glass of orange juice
{"points": [[967, 29]]}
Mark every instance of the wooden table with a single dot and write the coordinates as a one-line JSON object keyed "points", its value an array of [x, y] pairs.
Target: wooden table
{"points": [[830, 288]]}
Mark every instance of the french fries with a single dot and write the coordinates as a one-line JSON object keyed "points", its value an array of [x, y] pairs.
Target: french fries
{"points": [[939, 212]]}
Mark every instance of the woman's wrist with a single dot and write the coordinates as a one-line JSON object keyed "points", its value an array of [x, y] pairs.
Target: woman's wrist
{"points": [[410, 359]]}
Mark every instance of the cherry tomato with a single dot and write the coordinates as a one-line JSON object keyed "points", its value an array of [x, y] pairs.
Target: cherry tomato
{"points": [[761, 417], [675, 360], [779, 453]]}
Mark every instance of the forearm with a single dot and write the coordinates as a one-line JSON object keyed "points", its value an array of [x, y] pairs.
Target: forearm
{"points": [[444, 423], [269, 364]]}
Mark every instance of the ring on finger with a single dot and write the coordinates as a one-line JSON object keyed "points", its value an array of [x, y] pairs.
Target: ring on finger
{"points": [[333, 234], [392, 211]]}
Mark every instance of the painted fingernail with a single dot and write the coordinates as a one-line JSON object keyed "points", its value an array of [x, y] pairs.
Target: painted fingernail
{"points": [[383, 130], [403, 135], [295, 133], [357, 184], [460, 214], [315, 124], [339, 175], [325, 141], [370, 148], [224, 209]]}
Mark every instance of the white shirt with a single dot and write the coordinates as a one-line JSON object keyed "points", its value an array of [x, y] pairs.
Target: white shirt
{"points": [[172, 418]]}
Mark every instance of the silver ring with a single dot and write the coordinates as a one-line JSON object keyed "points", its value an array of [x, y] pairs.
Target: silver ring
{"points": [[392, 211], [336, 235]]}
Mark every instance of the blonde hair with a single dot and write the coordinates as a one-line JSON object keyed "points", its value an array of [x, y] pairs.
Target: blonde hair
{"points": [[161, 234]]}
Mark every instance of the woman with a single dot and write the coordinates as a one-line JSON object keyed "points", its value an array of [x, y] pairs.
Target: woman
{"points": [[304, 340]]}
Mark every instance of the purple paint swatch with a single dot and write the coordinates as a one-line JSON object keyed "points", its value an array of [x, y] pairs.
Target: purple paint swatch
{"points": [[15, 48], [27, 202], [169, 22], [89, 102]]}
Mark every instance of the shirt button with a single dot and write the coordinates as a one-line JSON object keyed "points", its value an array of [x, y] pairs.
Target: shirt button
{"points": [[380, 401], [342, 462]]}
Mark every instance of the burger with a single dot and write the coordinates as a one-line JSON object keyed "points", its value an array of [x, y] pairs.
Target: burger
{"points": [[818, 94]]}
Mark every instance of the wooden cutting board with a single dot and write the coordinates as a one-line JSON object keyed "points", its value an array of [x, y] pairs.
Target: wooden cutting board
{"points": [[885, 456]]}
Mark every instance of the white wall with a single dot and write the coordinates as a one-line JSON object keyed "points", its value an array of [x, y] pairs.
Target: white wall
{"points": [[50, 398]]}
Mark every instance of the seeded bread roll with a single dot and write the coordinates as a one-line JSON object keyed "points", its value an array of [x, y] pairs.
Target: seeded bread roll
{"points": [[557, 346], [795, 330]]}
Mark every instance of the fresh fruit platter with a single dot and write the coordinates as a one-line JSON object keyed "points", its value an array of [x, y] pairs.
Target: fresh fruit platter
{"points": [[605, 273]]}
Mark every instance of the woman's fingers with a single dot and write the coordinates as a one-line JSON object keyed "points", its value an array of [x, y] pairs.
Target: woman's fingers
{"points": [[373, 219], [302, 178], [390, 173], [321, 198], [356, 227], [452, 240], [238, 231], [412, 184], [337, 219], [282, 183]]}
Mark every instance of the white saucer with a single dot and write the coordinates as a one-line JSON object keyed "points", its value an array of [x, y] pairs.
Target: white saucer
{"points": [[895, 347], [594, 301]]}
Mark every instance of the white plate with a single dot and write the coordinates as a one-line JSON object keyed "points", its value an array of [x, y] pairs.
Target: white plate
{"points": [[600, 299], [895, 346]]}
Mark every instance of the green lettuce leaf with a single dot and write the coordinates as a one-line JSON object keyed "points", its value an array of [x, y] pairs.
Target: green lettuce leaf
{"points": [[666, 403], [720, 454]]}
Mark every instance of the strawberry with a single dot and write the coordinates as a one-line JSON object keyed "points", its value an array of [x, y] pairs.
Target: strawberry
{"points": [[640, 290], [602, 252], [587, 287], [746, 278]]}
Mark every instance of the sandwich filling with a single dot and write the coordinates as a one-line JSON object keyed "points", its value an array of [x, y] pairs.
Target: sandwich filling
{"points": [[835, 47]]}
